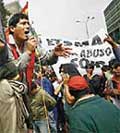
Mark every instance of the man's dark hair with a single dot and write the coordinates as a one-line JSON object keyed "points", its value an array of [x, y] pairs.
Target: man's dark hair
{"points": [[8, 71], [33, 85], [116, 64], [79, 93], [15, 19], [89, 66], [105, 68], [69, 68]]}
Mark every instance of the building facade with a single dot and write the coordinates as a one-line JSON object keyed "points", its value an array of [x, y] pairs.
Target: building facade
{"points": [[112, 18]]}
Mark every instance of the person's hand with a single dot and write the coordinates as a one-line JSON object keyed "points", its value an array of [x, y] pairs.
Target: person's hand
{"points": [[66, 78], [110, 41], [116, 92], [59, 50], [107, 91], [31, 44], [30, 131]]}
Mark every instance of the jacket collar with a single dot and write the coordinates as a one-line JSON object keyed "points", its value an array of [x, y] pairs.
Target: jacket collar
{"points": [[83, 98], [11, 40]]}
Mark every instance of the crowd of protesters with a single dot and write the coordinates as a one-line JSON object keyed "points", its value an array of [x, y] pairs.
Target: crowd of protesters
{"points": [[33, 100]]}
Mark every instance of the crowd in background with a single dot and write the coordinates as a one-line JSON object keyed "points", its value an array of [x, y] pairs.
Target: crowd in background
{"points": [[33, 99]]}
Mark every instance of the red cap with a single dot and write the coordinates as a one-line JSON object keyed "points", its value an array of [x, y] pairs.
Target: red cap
{"points": [[77, 83]]}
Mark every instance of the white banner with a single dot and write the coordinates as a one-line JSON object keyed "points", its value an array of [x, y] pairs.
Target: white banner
{"points": [[93, 50]]}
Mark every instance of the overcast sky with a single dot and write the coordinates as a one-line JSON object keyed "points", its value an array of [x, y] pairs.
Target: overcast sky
{"points": [[57, 18]]}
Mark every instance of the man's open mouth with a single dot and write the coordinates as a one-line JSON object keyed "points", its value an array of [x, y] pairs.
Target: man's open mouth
{"points": [[26, 32]]}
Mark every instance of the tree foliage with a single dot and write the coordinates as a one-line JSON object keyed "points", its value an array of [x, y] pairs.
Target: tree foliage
{"points": [[4, 13]]}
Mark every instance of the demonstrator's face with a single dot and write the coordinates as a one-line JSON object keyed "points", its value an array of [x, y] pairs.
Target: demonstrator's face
{"points": [[21, 30], [117, 71]]}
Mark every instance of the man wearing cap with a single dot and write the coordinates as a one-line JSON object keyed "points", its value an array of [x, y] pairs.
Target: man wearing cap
{"points": [[87, 113]]}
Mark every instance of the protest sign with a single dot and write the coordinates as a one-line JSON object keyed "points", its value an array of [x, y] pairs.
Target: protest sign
{"points": [[93, 51]]}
